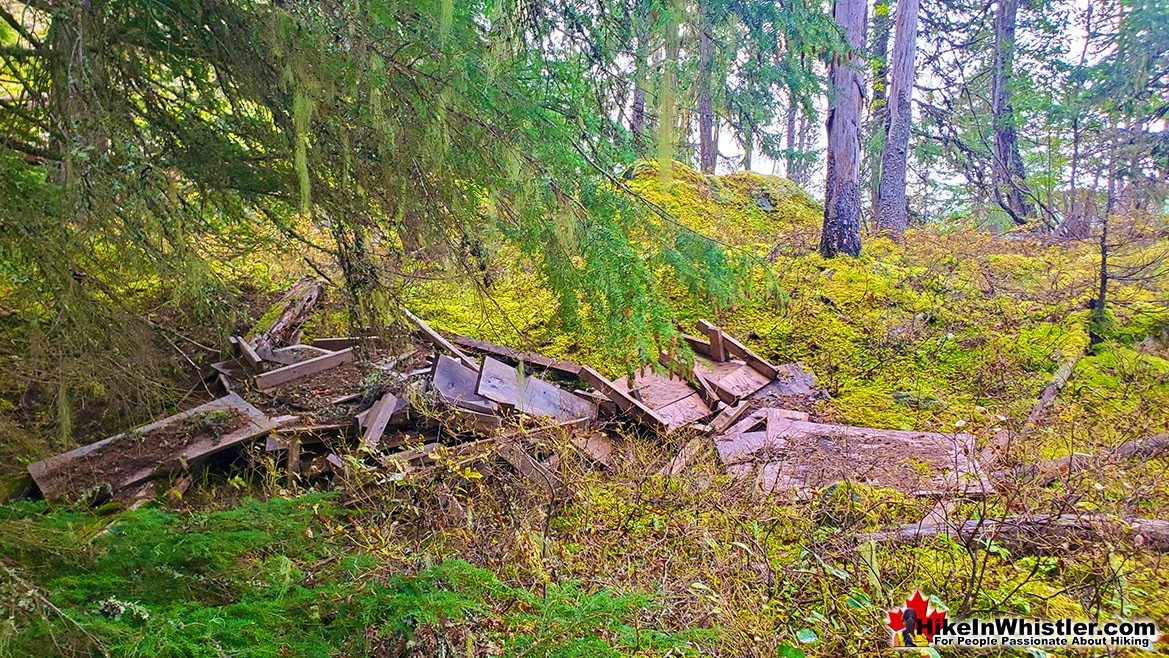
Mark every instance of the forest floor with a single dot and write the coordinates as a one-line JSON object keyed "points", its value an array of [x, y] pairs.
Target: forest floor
{"points": [[956, 330]]}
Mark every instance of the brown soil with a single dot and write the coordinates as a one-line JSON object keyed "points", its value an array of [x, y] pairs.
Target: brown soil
{"points": [[117, 460]]}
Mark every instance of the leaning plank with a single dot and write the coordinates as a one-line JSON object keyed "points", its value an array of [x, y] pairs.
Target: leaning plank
{"points": [[1037, 533], [500, 383], [624, 402], [257, 423], [718, 345], [440, 341], [727, 416], [247, 351], [532, 359], [697, 344], [274, 378], [281, 325], [455, 384], [387, 406]]}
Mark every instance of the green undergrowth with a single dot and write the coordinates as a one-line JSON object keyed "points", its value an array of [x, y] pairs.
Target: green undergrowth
{"points": [[280, 578]]}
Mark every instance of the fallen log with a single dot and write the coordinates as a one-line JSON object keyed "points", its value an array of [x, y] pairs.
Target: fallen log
{"points": [[1036, 533], [1045, 472], [281, 325]]}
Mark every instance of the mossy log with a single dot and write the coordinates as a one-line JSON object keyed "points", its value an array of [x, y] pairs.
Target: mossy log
{"points": [[281, 325], [1045, 472], [1037, 533]]}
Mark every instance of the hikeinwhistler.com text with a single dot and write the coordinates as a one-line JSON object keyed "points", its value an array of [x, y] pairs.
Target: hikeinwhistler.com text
{"points": [[1024, 632]]}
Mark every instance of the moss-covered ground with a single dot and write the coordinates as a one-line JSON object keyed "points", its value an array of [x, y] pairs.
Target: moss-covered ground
{"points": [[952, 329]]}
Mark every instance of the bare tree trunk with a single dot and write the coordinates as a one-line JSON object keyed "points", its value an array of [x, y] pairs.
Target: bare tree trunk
{"points": [[842, 197], [878, 124], [892, 207], [707, 149], [637, 113], [1009, 181]]}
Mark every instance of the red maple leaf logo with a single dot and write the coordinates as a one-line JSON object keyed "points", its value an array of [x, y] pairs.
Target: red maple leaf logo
{"points": [[929, 620]]}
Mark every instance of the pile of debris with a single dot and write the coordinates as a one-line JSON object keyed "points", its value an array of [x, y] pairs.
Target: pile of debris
{"points": [[469, 398]]}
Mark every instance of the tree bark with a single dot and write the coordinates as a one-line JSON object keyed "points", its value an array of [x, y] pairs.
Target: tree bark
{"points": [[878, 124], [707, 149], [842, 197], [281, 325], [892, 207], [637, 112], [1009, 182]]}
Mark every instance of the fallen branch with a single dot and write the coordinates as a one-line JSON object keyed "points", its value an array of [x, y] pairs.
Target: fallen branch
{"points": [[1038, 533]]}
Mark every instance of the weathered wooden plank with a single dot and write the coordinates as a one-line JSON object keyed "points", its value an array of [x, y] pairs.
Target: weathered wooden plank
{"points": [[776, 418], [440, 341], [699, 345], [338, 343], [718, 346], [727, 416], [597, 446], [500, 383], [743, 382], [456, 383], [289, 355], [247, 351], [624, 401], [682, 412], [754, 360], [257, 424], [387, 406], [274, 378], [533, 360]]}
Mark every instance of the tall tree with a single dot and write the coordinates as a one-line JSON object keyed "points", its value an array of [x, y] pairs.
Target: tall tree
{"points": [[842, 198], [878, 123], [892, 208], [707, 133], [1010, 187]]}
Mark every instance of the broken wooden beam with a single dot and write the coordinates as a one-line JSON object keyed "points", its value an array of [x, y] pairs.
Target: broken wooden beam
{"points": [[726, 417], [440, 341], [274, 378], [624, 401], [534, 360], [281, 325]]}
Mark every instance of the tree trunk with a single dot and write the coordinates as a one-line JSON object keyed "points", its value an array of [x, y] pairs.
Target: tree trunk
{"points": [[637, 113], [1009, 181], [878, 124], [842, 197], [892, 207], [707, 149]]}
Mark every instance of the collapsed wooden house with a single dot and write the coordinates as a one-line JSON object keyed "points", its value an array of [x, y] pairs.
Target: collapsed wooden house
{"points": [[470, 398]]}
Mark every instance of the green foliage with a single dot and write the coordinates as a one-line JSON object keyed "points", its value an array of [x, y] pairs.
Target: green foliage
{"points": [[279, 578]]}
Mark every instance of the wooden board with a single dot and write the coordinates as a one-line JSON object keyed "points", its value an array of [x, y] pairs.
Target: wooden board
{"points": [[727, 416], [257, 424], [456, 383], [440, 341], [289, 355], [718, 345], [337, 343], [623, 400], [500, 383], [682, 412], [386, 407], [274, 378], [743, 381], [803, 455], [247, 351], [532, 360]]}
